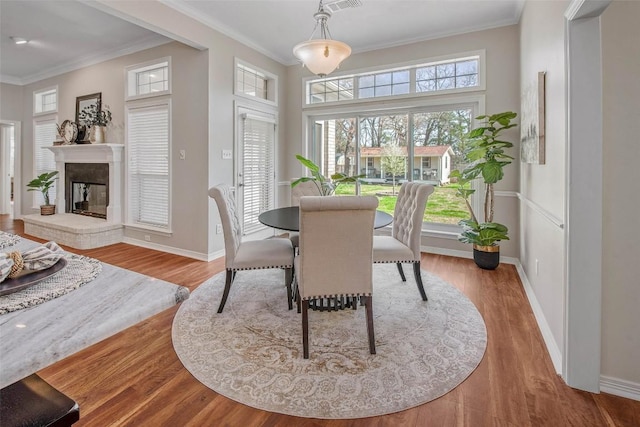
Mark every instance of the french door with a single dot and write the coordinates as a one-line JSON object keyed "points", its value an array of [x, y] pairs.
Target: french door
{"points": [[255, 168]]}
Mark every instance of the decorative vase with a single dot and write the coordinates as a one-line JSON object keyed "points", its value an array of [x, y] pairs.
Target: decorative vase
{"points": [[486, 257], [47, 209], [99, 134]]}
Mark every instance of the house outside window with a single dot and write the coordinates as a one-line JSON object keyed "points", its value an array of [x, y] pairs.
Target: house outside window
{"points": [[398, 136]]}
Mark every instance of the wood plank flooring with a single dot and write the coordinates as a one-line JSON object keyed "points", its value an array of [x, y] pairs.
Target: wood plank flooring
{"points": [[135, 378]]}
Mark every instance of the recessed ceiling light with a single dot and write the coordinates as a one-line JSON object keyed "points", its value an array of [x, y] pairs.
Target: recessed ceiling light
{"points": [[19, 40]]}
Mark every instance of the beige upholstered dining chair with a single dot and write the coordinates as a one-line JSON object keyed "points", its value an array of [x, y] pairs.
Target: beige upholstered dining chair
{"points": [[403, 246], [335, 261], [251, 255], [306, 188]]}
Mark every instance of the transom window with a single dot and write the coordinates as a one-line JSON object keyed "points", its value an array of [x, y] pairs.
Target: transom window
{"points": [[45, 101], [253, 83], [424, 79], [149, 79], [450, 75]]}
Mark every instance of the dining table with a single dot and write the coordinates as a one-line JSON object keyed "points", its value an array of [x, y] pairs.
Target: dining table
{"points": [[288, 218]]}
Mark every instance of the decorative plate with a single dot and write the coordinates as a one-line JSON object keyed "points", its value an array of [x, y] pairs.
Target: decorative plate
{"points": [[10, 286], [69, 131]]}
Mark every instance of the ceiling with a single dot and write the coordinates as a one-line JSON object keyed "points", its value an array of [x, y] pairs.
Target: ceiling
{"points": [[66, 35]]}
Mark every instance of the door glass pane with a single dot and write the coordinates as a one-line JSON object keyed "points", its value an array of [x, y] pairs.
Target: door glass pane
{"points": [[437, 137], [383, 156], [383, 161], [335, 142]]}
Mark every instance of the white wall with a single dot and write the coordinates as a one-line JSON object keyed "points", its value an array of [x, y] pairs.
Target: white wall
{"points": [[621, 196], [502, 94], [542, 186]]}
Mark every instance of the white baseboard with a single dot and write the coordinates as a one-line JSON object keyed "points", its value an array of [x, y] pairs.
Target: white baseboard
{"points": [[547, 335], [619, 387], [169, 249]]}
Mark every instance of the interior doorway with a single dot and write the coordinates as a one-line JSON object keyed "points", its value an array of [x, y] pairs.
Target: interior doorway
{"points": [[10, 168]]}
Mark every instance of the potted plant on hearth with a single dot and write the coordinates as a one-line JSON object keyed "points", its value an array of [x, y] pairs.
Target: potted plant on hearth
{"points": [[97, 116], [485, 158], [43, 183]]}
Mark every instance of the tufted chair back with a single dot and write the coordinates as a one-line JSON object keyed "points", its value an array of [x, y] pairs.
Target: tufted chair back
{"points": [[307, 188], [336, 257], [336, 245], [230, 221], [408, 214]]}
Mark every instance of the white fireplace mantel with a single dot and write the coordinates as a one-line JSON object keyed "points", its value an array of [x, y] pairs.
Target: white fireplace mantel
{"points": [[113, 154]]}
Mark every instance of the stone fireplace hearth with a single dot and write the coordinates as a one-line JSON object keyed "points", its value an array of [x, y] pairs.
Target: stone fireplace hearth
{"points": [[100, 166]]}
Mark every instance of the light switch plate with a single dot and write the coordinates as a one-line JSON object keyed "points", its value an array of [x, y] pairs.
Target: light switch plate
{"points": [[183, 154], [227, 154]]}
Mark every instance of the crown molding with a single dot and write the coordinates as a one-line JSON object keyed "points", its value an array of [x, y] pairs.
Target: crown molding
{"points": [[153, 40]]}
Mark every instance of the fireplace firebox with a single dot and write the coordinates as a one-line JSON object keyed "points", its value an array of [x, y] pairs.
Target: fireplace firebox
{"points": [[87, 189]]}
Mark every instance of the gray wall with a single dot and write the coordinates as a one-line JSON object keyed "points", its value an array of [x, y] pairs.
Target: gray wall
{"points": [[621, 197], [542, 186], [502, 94], [10, 102], [218, 92], [188, 131], [542, 41]]}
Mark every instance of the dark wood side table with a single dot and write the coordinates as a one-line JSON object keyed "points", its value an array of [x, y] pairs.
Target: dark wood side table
{"points": [[34, 402]]}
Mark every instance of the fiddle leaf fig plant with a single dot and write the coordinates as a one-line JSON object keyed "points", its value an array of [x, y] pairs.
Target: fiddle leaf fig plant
{"points": [[485, 158], [326, 186]]}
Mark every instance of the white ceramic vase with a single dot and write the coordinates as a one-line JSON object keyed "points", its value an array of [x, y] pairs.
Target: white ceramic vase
{"points": [[99, 134]]}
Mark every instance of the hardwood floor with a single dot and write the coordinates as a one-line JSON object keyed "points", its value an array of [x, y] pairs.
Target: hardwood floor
{"points": [[135, 378]]}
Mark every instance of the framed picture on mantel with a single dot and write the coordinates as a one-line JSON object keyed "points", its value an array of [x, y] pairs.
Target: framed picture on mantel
{"points": [[81, 103]]}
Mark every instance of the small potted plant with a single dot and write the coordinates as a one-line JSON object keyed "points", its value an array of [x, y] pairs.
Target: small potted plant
{"points": [[485, 157], [97, 116], [325, 186], [43, 183]]}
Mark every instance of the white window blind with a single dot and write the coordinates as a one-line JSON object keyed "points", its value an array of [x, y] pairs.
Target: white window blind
{"points": [[258, 171], [44, 133], [148, 165]]}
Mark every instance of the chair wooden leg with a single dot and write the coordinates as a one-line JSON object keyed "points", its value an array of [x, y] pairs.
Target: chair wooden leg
{"points": [[288, 274], [416, 272], [370, 331], [305, 328], [399, 265], [227, 286]]}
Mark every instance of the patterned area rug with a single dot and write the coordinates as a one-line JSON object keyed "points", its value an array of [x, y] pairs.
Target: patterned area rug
{"points": [[8, 239], [252, 352]]}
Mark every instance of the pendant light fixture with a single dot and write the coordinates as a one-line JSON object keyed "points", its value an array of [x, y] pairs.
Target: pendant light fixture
{"points": [[321, 56]]}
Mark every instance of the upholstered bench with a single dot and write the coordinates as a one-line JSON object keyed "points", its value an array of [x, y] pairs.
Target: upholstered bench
{"points": [[33, 402]]}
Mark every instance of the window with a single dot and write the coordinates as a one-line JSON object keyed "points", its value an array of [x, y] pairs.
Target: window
{"points": [[462, 73], [45, 101], [384, 84], [258, 169], [44, 133], [148, 146], [331, 90], [390, 148], [449, 75], [254, 83], [149, 79]]}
